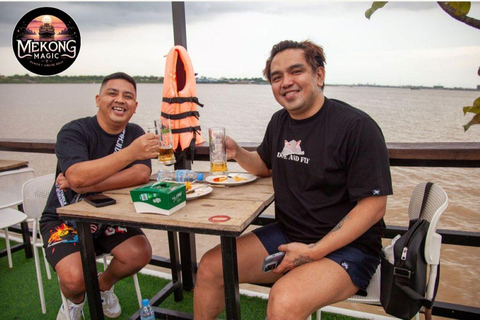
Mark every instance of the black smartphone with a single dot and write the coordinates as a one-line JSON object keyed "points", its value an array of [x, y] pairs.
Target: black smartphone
{"points": [[100, 200], [272, 261]]}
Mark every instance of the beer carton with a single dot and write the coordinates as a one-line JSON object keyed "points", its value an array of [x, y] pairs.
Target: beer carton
{"points": [[159, 197]]}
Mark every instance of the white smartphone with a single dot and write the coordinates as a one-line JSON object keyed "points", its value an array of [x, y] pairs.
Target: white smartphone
{"points": [[272, 261]]}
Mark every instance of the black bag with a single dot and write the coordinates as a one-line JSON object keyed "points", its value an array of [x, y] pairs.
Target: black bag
{"points": [[403, 285]]}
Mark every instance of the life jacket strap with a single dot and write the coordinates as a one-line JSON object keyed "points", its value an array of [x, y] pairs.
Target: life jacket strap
{"points": [[180, 116], [182, 100], [187, 129]]}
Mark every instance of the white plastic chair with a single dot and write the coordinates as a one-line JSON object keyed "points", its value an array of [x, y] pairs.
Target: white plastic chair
{"points": [[35, 195], [436, 204], [11, 195]]}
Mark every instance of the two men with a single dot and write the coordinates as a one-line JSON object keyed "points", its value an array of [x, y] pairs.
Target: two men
{"points": [[331, 179], [96, 154]]}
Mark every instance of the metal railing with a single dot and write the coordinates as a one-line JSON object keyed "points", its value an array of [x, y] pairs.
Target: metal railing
{"points": [[452, 154]]}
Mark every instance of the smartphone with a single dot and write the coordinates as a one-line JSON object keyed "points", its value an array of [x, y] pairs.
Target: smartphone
{"points": [[272, 261], [100, 200]]}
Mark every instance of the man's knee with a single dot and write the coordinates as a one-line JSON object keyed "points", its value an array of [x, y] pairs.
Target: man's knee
{"points": [[210, 269], [137, 252], [143, 251], [71, 279], [282, 305]]}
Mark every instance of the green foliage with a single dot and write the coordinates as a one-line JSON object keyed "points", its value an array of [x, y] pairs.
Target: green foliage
{"points": [[473, 109], [461, 8], [375, 6]]}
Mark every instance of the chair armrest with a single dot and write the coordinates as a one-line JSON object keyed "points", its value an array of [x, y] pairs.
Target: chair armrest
{"points": [[433, 245]]}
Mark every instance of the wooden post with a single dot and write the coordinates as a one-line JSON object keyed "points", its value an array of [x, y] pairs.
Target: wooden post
{"points": [[187, 240]]}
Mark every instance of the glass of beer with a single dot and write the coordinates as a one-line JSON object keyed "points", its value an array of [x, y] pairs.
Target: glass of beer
{"points": [[165, 150], [218, 151]]}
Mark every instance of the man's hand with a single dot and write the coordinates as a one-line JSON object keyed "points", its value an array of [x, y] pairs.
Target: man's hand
{"points": [[232, 148], [62, 182], [144, 147], [296, 254]]}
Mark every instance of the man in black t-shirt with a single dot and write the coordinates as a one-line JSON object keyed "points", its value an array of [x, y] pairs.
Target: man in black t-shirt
{"points": [[331, 177], [96, 154]]}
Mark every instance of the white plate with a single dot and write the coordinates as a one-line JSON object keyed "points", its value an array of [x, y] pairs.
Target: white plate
{"points": [[230, 181], [199, 193]]}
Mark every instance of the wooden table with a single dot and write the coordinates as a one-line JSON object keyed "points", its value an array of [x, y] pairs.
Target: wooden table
{"points": [[242, 204], [12, 164]]}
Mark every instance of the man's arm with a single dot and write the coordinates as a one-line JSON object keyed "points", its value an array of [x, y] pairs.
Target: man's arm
{"points": [[362, 217], [135, 175], [107, 172], [248, 160]]}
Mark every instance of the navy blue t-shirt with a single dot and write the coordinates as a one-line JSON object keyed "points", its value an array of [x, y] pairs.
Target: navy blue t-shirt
{"points": [[82, 140], [321, 167]]}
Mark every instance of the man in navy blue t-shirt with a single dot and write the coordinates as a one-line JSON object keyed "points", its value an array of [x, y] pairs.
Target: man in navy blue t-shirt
{"points": [[331, 178]]}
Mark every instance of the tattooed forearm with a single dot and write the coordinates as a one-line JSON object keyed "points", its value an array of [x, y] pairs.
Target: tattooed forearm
{"points": [[301, 260], [340, 224], [336, 228]]}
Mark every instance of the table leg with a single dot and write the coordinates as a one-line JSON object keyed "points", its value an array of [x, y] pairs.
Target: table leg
{"points": [[26, 240], [87, 252], [26, 236], [230, 276], [189, 259], [175, 264]]}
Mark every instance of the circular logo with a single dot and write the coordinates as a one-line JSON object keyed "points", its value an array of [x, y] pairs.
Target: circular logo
{"points": [[46, 41]]}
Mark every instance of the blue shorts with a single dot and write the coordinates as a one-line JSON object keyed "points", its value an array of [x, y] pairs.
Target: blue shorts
{"points": [[359, 266]]}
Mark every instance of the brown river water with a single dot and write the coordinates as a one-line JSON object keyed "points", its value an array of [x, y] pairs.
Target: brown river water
{"points": [[38, 111]]}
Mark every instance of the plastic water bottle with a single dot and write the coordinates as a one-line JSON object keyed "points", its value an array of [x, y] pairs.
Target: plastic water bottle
{"points": [[179, 175], [146, 312]]}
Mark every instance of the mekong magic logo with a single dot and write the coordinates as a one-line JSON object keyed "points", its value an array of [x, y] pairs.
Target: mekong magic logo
{"points": [[46, 41]]}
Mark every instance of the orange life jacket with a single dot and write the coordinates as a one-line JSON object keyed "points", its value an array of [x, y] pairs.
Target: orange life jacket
{"points": [[179, 102]]}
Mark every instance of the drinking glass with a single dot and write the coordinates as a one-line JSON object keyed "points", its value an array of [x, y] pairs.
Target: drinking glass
{"points": [[165, 150], [218, 151]]}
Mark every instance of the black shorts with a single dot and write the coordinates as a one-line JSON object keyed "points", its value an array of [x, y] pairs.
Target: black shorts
{"points": [[359, 266], [61, 240]]}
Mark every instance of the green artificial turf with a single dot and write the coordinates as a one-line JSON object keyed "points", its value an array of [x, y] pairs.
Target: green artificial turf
{"points": [[20, 298]]}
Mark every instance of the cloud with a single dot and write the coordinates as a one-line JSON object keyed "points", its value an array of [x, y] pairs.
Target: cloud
{"points": [[233, 39], [94, 15]]}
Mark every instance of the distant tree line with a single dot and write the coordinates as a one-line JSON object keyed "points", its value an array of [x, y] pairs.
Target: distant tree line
{"points": [[26, 78]]}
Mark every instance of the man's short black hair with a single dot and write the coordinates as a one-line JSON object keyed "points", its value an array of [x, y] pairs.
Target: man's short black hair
{"points": [[119, 75], [314, 54]]}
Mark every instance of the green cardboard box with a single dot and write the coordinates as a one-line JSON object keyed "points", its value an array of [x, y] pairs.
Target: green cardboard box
{"points": [[159, 197]]}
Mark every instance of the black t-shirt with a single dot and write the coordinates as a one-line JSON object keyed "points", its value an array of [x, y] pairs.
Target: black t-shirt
{"points": [[322, 166], [83, 140]]}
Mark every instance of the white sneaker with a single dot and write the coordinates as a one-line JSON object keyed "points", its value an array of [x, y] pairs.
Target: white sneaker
{"points": [[111, 306], [75, 311]]}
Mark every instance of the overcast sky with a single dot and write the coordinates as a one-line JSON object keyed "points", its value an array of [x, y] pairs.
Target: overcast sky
{"points": [[405, 43]]}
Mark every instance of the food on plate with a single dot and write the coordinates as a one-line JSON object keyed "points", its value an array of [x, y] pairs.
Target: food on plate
{"points": [[220, 179], [239, 179]]}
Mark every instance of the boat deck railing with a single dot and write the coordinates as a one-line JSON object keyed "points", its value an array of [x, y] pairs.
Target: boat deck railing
{"points": [[448, 154]]}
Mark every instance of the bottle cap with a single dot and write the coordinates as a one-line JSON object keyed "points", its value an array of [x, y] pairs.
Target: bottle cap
{"points": [[200, 176], [145, 302]]}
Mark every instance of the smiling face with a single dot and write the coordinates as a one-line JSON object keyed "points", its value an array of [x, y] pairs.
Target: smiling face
{"points": [[295, 85], [117, 102]]}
